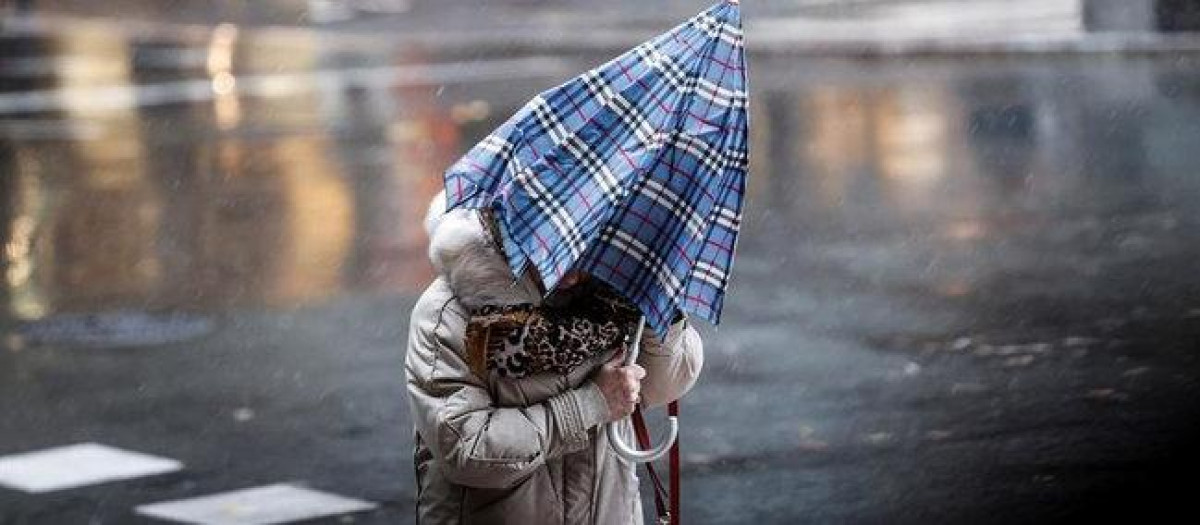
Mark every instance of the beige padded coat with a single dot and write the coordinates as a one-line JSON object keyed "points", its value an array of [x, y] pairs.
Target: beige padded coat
{"points": [[491, 449]]}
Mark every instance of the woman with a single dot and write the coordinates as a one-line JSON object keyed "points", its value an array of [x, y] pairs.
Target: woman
{"points": [[519, 444]]}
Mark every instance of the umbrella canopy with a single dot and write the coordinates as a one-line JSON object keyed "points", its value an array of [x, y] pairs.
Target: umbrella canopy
{"points": [[633, 172]]}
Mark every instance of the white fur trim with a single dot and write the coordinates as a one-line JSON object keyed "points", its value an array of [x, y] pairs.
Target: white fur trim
{"points": [[437, 210], [462, 253]]}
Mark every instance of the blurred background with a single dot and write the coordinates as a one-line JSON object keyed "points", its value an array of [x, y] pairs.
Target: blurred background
{"points": [[967, 287]]}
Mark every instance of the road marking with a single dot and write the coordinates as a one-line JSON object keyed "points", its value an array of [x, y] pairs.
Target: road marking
{"points": [[280, 503], [76, 466]]}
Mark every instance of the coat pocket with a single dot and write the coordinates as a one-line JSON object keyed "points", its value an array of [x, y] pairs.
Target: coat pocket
{"points": [[535, 501]]}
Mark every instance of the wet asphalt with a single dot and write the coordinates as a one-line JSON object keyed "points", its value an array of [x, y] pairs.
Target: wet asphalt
{"points": [[966, 290]]}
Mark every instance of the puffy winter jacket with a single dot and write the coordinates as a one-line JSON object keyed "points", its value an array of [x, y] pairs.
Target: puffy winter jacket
{"points": [[532, 450]]}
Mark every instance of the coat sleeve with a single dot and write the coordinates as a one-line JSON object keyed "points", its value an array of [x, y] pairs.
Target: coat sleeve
{"points": [[477, 443], [672, 365]]}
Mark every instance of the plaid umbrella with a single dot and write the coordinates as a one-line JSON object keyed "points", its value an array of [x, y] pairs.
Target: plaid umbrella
{"points": [[632, 172]]}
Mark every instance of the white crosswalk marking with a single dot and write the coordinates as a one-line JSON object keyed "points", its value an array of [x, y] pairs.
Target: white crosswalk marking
{"points": [[76, 466], [279, 503]]}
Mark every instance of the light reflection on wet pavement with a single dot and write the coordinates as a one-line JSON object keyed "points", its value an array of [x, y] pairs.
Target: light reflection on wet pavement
{"points": [[966, 290]]}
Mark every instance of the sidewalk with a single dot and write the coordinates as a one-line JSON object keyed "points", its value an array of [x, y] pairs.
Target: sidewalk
{"points": [[790, 27]]}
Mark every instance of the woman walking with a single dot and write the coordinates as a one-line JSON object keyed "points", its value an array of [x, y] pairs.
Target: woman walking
{"points": [[516, 438]]}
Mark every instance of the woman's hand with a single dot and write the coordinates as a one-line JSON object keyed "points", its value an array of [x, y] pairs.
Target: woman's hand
{"points": [[621, 386]]}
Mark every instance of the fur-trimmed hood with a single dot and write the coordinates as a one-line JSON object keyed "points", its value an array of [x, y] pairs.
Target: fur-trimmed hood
{"points": [[462, 252]]}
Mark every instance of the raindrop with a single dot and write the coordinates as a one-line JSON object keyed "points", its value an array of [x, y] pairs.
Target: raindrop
{"points": [[878, 438], [1134, 372], [1075, 341], [967, 388], [1018, 361], [243, 414], [938, 435], [1105, 394]]}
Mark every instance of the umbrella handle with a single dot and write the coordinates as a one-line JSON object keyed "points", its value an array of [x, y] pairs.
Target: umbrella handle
{"points": [[623, 449]]}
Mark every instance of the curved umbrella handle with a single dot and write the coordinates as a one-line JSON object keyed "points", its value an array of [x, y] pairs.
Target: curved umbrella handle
{"points": [[624, 450]]}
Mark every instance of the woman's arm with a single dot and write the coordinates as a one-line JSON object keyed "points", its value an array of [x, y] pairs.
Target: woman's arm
{"points": [[672, 366], [477, 443]]}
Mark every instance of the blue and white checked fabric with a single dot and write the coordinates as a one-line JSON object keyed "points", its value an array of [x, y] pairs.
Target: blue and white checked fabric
{"points": [[633, 172]]}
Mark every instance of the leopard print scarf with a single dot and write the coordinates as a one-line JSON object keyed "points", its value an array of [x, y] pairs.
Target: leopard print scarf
{"points": [[520, 340]]}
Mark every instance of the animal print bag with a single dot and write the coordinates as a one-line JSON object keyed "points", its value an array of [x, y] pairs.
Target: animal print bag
{"points": [[523, 339]]}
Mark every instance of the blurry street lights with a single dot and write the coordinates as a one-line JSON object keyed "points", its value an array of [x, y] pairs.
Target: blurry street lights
{"points": [[220, 69]]}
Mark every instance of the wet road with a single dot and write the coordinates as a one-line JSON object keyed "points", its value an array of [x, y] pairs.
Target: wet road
{"points": [[966, 290]]}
